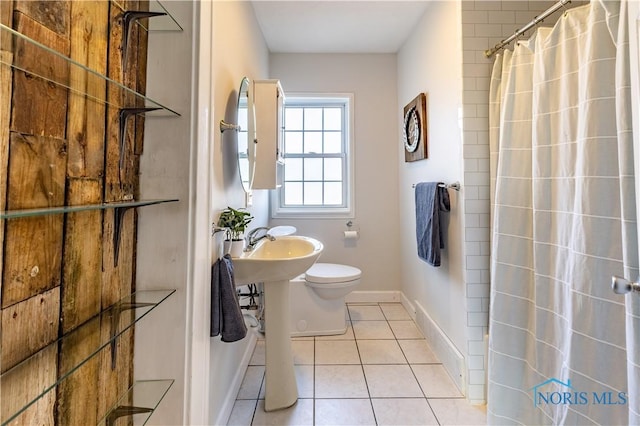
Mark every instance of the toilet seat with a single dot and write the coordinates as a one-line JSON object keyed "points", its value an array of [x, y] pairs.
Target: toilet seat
{"points": [[331, 273]]}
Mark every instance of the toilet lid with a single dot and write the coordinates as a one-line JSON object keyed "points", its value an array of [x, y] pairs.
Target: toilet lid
{"points": [[332, 273]]}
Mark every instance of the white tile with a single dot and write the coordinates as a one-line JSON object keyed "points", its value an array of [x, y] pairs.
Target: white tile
{"points": [[491, 6], [477, 319], [302, 351], [477, 262], [372, 330], [458, 412], [394, 311], [340, 381], [258, 354], [488, 30], [344, 412], [476, 377], [473, 17], [479, 151], [304, 379], [476, 234], [251, 383], [435, 381], [365, 313], [242, 413], [337, 352], [403, 411], [394, 381], [381, 352], [418, 351], [502, 17], [405, 330], [348, 335], [301, 413]]}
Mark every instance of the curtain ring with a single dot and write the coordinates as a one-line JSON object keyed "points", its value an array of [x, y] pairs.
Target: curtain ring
{"points": [[564, 7]]}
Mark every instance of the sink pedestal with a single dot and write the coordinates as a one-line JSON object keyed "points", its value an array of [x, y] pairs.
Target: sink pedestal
{"points": [[281, 389]]}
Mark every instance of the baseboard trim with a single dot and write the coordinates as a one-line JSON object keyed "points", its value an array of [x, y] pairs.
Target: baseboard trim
{"points": [[373, 297], [230, 400], [408, 306], [451, 358]]}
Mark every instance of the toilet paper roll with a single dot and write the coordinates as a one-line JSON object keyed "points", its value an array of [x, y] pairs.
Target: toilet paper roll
{"points": [[351, 235]]}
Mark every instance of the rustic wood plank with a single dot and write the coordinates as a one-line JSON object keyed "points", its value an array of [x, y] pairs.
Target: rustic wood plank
{"points": [[53, 14], [6, 18], [24, 383], [78, 394], [85, 120], [141, 79], [82, 260], [33, 244], [38, 315], [113, 184], [5, 117], [39, 107]]}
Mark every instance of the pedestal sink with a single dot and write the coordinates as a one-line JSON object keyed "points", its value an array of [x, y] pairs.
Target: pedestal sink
{"points": [[275, 263]]}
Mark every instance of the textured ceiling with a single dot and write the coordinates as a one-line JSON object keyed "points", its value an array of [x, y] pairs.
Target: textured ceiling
{"points": [[306, 26]]}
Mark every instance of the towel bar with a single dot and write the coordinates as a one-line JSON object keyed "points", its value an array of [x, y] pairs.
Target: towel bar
{"points": [[455, 185]]}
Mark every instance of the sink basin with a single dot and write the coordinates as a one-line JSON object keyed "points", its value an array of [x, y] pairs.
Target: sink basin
{"points": [[284, 258]]}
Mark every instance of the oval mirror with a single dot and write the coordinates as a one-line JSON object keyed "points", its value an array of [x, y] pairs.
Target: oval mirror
{"points": [[246, 134]]}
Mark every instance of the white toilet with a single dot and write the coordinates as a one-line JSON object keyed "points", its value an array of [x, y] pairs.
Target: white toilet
{"points": [[317, 299]]}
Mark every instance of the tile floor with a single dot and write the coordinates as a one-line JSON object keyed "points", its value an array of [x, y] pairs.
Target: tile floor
{"points": [[380, 372]]}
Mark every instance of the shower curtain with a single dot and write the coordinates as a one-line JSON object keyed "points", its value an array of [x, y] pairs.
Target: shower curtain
{"points": [[564, 221]]}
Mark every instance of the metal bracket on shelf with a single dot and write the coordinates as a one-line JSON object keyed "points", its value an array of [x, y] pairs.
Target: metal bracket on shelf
{"points": [[129, 18], [118, 214], [125, 410], [124, 114], [116, 311]]}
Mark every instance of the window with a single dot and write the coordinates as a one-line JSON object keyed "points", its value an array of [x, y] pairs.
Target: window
{"points": [[317, 156]]}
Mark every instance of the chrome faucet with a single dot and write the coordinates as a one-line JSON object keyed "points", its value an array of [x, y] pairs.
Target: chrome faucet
{"points": [[251, 239]]}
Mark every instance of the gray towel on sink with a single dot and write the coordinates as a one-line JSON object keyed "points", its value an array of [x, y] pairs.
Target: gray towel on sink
{"points": [[431, 199], [226, 316]]}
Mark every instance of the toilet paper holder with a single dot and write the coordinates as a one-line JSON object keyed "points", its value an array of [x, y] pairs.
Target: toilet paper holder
{"points": [[350, 233]]}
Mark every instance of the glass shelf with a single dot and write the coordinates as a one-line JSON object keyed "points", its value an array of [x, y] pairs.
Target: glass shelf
{"points": [[104, 329], [160, 23], [56, 68], [139, 403], [13, 214]]}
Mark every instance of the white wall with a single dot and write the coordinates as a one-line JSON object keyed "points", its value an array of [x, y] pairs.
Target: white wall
{"points": [[238, 50], [430, 62], [197, 72], [372, 80], [163, 230]]}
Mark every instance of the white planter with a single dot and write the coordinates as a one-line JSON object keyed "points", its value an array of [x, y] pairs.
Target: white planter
{"points": [[234, 247]]}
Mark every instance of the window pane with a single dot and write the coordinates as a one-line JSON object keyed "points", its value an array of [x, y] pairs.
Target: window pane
{"points": [[292, 142], [313, 193], [333, 169], [333, 118], [313, 142], [293, 169], [333, 193], [313, 118], [312, 169], [293, 118], [332, 142], [292, 193]]}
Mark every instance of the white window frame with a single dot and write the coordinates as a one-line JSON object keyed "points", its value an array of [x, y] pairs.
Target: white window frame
{"points": [[278, 210]]}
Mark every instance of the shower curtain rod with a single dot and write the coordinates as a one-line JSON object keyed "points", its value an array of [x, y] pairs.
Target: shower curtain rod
{"points": [[559, 5]]}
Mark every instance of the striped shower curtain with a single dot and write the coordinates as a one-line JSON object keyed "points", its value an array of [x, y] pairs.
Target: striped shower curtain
{"points": [[564, 221]]}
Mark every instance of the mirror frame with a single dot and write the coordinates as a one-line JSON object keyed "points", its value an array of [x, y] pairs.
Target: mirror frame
{"points": [[246, 138]]}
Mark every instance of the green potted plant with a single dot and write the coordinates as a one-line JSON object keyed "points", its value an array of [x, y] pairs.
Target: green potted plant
{"points": [[235, 222]]}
